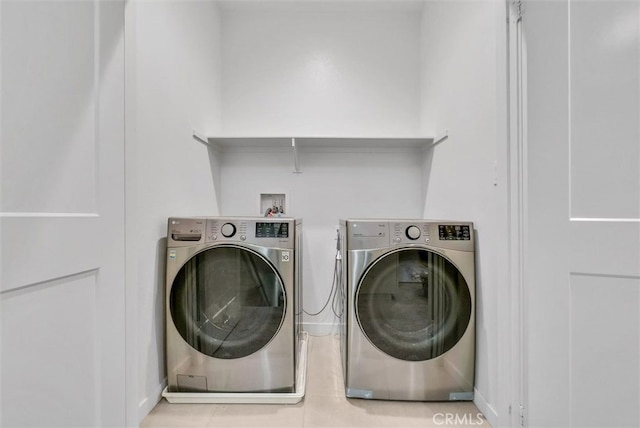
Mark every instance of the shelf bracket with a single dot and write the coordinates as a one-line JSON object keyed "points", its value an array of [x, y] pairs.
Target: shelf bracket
{"points": [[198, 137], [441, 138], [296, 161]]}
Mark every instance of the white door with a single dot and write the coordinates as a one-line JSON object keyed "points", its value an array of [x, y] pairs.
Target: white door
{"points": [[582, 213], [62, 213]]}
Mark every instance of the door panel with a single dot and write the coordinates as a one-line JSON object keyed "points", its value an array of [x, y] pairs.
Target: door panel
{"points": [[604, 247], [604, 107], [48, 107], [62, 213], [227, 302], [604, 194], [413, 305], [605, 346], [582, 250], [49, 340], [47, 246]]}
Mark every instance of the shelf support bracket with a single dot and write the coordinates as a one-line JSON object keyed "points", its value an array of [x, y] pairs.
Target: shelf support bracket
{"points": [[296, 161], [441, 138], [198, 137]]}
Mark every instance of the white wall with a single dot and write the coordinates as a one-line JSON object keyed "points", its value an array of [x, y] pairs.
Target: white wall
{"points": [[461, 86], [173, 76], [334, 184], [322, 68]]}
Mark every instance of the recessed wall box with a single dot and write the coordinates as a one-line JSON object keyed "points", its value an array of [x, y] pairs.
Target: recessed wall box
{"points": [[273, 204]]}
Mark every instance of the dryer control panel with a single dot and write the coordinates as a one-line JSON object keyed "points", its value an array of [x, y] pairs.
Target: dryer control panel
{"points": [[366, 234]]}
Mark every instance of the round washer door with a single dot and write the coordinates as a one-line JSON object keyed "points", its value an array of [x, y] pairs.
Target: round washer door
{"points": [[413, 304], [227, 302]]}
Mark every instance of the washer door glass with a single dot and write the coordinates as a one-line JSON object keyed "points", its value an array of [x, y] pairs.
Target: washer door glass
{"points": [[227, 302], [413, 304]]}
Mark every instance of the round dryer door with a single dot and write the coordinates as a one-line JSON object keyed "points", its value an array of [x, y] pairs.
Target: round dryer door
{"points": [[227, 302], [413, 304]]}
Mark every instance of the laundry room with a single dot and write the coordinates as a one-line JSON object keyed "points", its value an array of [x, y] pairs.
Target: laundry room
{"points": [[360, 170], [402, 131]]}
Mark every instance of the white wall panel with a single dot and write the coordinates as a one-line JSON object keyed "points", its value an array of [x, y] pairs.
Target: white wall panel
{"points": [[62, 251], [48, 107], [50, 340], [547, 294], [582, 236], [320, 69], [605, 106], [603, 247], [605, 350], [62, 219]]}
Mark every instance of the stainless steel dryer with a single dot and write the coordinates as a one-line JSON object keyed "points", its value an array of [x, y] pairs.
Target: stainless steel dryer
{"points": [[408, 331], [230, 304]]}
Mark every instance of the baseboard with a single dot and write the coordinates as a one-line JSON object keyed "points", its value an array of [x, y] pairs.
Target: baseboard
{"points": [[486, 409], [319, 329], [149, 402]]}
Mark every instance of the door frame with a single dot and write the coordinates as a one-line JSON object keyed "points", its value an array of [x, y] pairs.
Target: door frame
{"points": [[517, 214]]}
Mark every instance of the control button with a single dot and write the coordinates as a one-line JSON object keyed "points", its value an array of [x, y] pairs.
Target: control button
{"points": [[397, 240], [214, 237], [228, 230], [413, 232], [243, 237], [427, 239]]}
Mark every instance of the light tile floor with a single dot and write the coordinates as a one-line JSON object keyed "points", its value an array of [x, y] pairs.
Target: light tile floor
{"points": [[323, 406]]}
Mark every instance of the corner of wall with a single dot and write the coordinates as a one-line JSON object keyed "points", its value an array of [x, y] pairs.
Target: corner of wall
{"points": [[487, 410], [131, 216], [174, 88], [460, 92]]}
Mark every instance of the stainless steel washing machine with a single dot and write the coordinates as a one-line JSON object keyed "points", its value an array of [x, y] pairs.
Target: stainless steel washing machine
{"points": [[231, 298], [408, 326]]}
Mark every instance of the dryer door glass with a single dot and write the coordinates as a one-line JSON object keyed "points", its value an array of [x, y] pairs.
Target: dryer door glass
{"points": [[413, 304], [227, 302]]}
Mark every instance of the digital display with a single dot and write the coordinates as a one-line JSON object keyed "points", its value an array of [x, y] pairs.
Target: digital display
{"points": [[272, 230], [454, 232]]}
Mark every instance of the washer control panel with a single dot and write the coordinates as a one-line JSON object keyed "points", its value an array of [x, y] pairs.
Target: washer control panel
{"points": [[272, 229], [276, 232], [226, 230], [411, 233], [266, 232]]}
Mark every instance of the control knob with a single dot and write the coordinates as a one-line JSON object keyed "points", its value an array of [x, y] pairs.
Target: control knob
{"points": [[413, 232], [228, 230]]}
